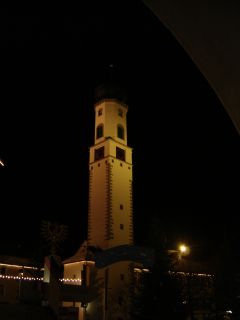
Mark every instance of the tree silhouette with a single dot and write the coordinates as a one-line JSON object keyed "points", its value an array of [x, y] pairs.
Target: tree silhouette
{"points": [[54, 234], [159, 294]]}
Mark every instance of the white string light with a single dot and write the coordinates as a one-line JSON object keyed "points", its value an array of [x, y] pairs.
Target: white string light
{"points": [[20, 278], [71, 280], [192, 274], [7, 277]]}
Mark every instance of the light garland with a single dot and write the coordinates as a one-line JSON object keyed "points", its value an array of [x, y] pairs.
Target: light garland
{"points": [[192, 274], [6, 277], [20, 278], [85, 262], [71, 280]]}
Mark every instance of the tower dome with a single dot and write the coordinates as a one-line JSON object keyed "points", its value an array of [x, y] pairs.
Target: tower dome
{"points": [[110, 90]]}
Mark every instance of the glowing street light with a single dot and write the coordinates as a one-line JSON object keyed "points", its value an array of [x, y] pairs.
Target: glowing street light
{"points": [[183, 249]]}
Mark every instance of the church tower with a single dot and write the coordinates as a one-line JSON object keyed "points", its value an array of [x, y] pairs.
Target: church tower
{"points": [[110, 221], [110, 172]]}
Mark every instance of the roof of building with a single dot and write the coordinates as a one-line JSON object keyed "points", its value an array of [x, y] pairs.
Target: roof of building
{"points": [[80, 255], [13, 260]]}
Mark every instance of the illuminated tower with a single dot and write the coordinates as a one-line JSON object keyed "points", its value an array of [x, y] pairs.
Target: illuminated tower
{"points": [[110, 213], [110, 172], [110, 197]]}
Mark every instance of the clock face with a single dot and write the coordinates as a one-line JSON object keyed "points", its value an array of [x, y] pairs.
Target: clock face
{"points": [[120, 154]]}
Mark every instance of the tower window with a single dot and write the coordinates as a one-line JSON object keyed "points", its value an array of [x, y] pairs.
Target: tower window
{"points": [[121, 226], [122, 276], [121, 206], [99, 131], [120, 112], [120, 154], [99, 153], [120, 131], [99, 112]]}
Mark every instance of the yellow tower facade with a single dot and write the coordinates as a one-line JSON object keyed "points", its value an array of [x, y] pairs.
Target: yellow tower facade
{"points": [[110, 215], [110, 218], [110, 178]]}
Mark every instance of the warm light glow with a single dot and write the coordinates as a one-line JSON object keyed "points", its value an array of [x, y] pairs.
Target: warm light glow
{"points": [[18, 266], [71, 280], [82, 262], [20, 278], [2, 163], [141, 270], [190, 274], [183, 248]]}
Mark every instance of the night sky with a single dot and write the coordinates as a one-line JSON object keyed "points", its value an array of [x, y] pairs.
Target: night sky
{"points": [[185, 148]]}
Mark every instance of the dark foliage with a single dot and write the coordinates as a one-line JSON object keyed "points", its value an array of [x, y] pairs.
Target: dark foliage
{"points": [[158, 293]]}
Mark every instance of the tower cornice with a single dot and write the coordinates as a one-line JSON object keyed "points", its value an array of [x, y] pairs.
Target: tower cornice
{"points": [[110, 100]]}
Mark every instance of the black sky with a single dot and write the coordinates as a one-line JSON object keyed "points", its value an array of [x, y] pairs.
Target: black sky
{"points": [[185, 147]]}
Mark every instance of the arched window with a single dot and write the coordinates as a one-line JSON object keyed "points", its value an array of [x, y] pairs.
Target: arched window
{"points": [[120, 131], [99, 131]]}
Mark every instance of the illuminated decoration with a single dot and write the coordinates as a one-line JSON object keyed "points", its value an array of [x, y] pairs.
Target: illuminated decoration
{"points": [[191, 274], [2, 163], [83, 262], [71, 280], [20, 278], [6, 277]]}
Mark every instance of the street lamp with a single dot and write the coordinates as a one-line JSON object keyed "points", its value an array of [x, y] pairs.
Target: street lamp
{"points": [[182, 250]]}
